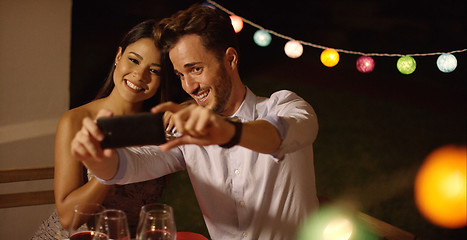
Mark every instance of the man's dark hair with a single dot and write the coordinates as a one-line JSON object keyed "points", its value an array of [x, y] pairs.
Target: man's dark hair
{"points": [[211, 24]]}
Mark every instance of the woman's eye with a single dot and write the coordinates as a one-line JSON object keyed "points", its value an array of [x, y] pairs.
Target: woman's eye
{"points": [[134, 60], [155, 71]]}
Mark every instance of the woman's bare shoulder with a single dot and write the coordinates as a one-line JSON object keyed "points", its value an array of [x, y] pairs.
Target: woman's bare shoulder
{"points": [[73, 118]]}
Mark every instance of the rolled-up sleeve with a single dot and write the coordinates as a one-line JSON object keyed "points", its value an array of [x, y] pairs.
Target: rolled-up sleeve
{"points": [[137, 164], [294, 119]]}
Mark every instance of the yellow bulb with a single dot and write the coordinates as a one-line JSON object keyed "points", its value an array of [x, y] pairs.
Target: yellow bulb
{"points": [[441, 188], [329, 57]]}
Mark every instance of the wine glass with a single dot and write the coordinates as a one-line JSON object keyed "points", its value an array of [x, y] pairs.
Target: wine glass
{"points": [[86, 223], [115, 224], [156, 222]]}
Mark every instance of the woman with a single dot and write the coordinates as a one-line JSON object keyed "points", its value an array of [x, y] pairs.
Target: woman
{"points": [[135, 83]]}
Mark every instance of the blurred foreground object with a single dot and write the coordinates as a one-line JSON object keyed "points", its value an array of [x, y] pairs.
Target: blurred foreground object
{"points": [[440, 187], [334, 222]]}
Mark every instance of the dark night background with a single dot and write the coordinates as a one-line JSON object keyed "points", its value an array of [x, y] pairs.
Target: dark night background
{"points": [[375, 129]]}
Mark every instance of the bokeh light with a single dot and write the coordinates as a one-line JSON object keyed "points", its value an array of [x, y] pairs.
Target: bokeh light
{"points": [[335, 222], [365, 64], [329, 223], [262, 38], [329, 57], [446, 63], [406, 65], [237, 23], [293, 49], [338, 228], [440, 187]]}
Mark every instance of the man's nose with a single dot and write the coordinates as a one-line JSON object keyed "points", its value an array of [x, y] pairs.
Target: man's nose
{"points": [[190, 84]]}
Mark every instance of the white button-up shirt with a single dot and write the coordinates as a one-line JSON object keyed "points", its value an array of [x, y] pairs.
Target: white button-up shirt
{"points": [[244, 194]]}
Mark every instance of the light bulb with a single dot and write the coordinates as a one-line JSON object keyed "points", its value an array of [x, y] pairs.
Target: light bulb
{"points": [[293, 49], [237, 23], [365, 64], [329, 57], [262, 38], [406, 65], [446, 63]]}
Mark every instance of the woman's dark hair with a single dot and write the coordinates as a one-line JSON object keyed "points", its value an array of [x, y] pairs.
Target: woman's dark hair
{"points": [[144, 29]]}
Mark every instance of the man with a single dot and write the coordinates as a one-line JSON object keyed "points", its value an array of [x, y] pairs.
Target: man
{"points": [[254, 176]]}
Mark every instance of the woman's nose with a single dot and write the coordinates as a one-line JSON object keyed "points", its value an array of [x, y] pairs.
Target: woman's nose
{"points": [[140, 74]]}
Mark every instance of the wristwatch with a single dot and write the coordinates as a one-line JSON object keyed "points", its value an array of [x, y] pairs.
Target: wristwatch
{"points": [[238, 133]]}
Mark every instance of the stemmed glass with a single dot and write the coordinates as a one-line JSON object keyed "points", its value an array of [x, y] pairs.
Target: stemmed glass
{"points": [[86, 223], [156, 222], [115, 224]]}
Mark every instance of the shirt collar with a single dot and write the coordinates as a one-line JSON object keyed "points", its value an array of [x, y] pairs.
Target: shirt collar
{"points": [[246, 112]]}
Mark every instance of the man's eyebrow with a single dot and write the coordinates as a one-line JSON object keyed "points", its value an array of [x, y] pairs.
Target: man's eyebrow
{"points": [[187, 65], [141, 58], [191, 64]]}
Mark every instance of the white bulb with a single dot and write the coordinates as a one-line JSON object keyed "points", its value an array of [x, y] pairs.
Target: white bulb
{"points": [[293, 49], [446, 63]]}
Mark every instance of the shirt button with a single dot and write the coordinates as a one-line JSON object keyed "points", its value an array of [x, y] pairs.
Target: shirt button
{"points": [[237, 171], [244, 234], [242, 203]]}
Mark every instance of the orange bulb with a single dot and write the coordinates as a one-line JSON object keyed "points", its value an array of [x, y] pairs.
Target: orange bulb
{"points": [[237, 23], [440, 187], [329, 57]]}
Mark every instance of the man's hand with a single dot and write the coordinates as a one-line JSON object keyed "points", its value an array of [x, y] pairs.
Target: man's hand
{"points": [[198, 125]]}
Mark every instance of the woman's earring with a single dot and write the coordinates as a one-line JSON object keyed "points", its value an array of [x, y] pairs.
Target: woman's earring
{"points": [[115, 64]]}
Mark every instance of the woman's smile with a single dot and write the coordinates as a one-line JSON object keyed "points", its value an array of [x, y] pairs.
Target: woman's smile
{"points": [[133, 87]]}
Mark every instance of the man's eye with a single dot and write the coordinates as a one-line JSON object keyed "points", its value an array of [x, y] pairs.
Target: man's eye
{"points": [[197, 70]]}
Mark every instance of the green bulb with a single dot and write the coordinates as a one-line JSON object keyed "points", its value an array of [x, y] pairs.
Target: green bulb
{"points": [[406, 64]]}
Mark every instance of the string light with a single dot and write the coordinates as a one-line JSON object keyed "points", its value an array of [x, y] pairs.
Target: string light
{"points": [[293, 49], [365, 64], [446, 63], [262, 38], [329, 57], [406, 65], [237, 23], [443, 68]]}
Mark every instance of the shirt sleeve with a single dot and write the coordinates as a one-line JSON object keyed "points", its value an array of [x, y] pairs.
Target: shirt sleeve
{"points": [[137, 164], [294, 119]]}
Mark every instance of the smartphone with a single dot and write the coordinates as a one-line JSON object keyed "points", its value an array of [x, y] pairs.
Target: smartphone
{"points": [[132, 130]]}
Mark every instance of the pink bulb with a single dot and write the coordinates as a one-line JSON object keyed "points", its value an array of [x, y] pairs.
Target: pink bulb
{"points": [[237, 23], [365, 64]]}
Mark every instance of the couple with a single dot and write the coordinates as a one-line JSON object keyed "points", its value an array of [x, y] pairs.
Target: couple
{"points": [[253, 176]]}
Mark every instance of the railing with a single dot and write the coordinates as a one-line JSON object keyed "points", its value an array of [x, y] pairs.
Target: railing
{"points": [[26, 198]]}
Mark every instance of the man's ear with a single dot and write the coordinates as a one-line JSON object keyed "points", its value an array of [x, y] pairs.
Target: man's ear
{"points": [[231, 57], [118, 56]]}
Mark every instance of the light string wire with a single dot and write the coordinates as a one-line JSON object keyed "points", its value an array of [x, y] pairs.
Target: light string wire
{"points": [[324, 47]]}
